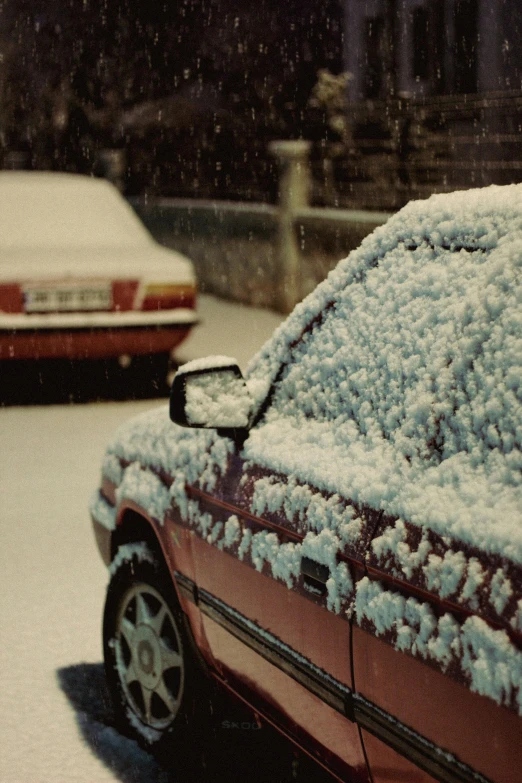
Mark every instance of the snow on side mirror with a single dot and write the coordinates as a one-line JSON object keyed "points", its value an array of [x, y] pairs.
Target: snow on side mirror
{"points": [[211, 393]]}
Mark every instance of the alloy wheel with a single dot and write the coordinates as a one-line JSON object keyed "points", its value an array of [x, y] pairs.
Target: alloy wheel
{"points": [[149, 656]]}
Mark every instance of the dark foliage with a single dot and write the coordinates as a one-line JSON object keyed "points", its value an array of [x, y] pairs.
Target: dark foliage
{"points": [[192, 91]]}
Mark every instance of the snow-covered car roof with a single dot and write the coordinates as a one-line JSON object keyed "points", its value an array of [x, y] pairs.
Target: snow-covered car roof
{"points": [[52, 209], [54, 223], [472, 218]]}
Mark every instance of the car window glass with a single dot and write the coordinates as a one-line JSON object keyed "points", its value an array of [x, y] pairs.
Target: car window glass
{"points": [[393, 358], [406, 397]]}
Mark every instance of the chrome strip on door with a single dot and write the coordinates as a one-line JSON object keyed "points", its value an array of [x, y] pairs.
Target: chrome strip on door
{"points": [[440, 764]]}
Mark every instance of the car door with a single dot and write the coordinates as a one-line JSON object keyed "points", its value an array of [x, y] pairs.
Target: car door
{"points": [[437, 659], [437, 648], [279, 635], [277, 556]]}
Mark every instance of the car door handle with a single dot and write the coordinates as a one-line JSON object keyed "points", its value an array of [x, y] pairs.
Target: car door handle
{"points": [[315, 575]]}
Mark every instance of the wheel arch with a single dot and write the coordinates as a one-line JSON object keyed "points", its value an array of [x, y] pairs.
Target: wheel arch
{"points": [[134, 526]]}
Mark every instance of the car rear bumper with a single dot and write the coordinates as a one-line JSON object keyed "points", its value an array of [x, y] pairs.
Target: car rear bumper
{"points": [[93, 335]]}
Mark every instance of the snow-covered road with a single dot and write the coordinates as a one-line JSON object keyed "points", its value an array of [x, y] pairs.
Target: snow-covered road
{"points": [[54, 725]]}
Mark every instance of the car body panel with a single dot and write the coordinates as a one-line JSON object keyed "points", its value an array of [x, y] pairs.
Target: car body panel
{"points": [[472, 728], [93, 343], [303, 717], [229, 590], [217, 574], [444, 616], [94, 336], [390, 766], [102, 536]]}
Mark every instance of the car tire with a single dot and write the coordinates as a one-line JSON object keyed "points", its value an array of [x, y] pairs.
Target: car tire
{"points": [[153, 678]]}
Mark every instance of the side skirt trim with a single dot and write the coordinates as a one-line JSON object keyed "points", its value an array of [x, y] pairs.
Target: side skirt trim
{"points": [[435, 761], [440, 764]]}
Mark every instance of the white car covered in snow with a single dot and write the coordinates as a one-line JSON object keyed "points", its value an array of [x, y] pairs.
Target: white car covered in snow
{"points": [[80, 275], [337, 537]]}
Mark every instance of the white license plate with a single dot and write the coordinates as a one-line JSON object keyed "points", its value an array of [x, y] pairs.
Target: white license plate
{"points": [[67, 298]]}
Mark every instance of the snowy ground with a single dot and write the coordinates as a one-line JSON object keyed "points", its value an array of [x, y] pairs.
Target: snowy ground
{"points": [[56, 724]]}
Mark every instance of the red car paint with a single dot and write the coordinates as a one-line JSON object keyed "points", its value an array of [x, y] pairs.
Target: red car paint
{"points": [[481, 736], [89, 344]]}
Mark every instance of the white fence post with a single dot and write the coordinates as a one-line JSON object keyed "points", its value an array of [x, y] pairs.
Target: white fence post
{"points": [[294, 188], [111, 164]]}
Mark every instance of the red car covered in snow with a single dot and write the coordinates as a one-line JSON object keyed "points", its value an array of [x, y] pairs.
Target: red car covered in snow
{"points": [[337, 537], [81, 277]]}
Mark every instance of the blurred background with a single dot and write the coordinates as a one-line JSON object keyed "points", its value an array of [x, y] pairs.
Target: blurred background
{"points": [[182, 99], [182, 106]]}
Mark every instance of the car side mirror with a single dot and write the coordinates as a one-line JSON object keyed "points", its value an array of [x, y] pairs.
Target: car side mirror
{"points": [[211, 393]]}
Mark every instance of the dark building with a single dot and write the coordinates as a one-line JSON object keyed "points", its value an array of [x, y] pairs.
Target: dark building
{"points": [[435, 96], [432, 47]]}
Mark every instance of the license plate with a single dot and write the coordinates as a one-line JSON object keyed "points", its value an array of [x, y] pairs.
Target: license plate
{"points": [[67, 298]]}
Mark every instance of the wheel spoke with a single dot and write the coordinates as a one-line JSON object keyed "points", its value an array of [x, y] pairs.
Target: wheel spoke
{"points": [[170, 659], [131, 675], [127, 630], [147, 699], [142, 611], [156, 622], [165, 695]]}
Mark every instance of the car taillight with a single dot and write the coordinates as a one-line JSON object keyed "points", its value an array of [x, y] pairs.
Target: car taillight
{"points": [[11, 298], [166, 296]]}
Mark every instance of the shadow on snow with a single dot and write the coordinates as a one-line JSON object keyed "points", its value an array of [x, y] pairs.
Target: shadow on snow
{"points": [[59, 381], [229, 750]]}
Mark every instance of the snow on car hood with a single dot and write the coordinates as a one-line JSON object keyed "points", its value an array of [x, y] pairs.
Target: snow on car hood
{"points": [[148, 261], [151, 440]]}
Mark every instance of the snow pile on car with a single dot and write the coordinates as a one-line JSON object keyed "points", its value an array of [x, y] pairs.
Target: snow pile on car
{"points": [[146, 453], [406, 395], [217, 397], [484, 657]]}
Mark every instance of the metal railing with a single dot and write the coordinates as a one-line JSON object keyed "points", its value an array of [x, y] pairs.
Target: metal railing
{"points": [[403, 149]]}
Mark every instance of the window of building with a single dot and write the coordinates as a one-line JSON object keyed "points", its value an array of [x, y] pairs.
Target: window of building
{"points": [[373, 41], [420, 48], [465, 47]]}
